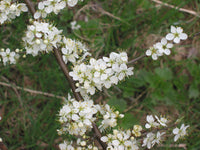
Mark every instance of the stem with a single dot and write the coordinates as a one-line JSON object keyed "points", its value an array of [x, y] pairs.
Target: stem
{"points": [[66, 72], [71, 82], [98, 136], [30, 6], [136, 59]]}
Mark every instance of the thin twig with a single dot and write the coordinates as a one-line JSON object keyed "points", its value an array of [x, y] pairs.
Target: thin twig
{"points": [[15, 90], [175, 7], [31, 91], [135, 101], [136, 59]]}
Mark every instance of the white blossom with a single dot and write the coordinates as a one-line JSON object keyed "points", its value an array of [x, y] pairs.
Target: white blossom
{"points": [[150, 122], [176, 34], [179, 133], [8, 56], [120, 140], [9, 10], [41, 37], [101, 73], [153, 52], [148, 141], [164, 47], [74, 25]]}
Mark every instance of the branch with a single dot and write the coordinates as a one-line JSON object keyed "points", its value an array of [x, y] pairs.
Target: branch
{"points": [[66, 73], [136, 59], [71, 82], [31, 91], [30, 6], [177, 8], [98, 136], [3, 146]]}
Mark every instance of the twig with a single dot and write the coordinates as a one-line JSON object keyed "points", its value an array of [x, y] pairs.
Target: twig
{"points": [[31, 91], [97, 9], [174, 145], [136, 59], [175, 7], [135, 100]]}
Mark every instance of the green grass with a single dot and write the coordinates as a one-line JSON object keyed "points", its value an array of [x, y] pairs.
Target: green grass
{"points": [[170, 86]]}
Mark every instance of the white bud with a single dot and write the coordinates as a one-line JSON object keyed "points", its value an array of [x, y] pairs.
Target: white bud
{"points": [[121, 116], [37, 41], [80, 124], [83, 143], [115, 132], [2, 50], [17, 50], [77, 84], [45, 41]]}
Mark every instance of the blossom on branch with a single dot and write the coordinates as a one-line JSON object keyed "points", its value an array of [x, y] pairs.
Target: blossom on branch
{"points": [[179, 133], [9, 10], [176, 35], [41, 37]]}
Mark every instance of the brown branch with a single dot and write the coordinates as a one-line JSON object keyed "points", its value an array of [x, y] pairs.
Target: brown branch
{"points": [[136, 59], [30, 6], [31, 91], [98, 136], [3, 146], [66, 73], [64, 68], [177, 8]]}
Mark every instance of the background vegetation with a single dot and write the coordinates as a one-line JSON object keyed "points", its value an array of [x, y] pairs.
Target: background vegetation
{"points": [[169, 86]]}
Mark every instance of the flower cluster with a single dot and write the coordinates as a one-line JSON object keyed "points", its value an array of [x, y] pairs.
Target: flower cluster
{"points": [[9, 10], [79, 145], [41, 37], [75, 26], [73, 51], [151, 139], [151, 123], [77, 117], [101, 73], [8, 57], [164, 47], [120, 140], [49, 6], [109, 117]]}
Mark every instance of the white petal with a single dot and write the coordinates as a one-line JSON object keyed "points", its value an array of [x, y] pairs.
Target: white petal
{"points": [[148, 52], [173, 29], [179, 30], [164, 41], [177, 40], [167, 52], [170, 36], [183, 36]]}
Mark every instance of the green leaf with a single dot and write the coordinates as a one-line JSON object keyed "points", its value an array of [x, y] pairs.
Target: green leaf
{"points": [[193, 92], [128, 121], [119, 104], [165, 73]]}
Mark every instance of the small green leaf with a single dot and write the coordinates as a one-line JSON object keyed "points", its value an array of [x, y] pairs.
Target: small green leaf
{"points": [[119, 104], [193, 92]]}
